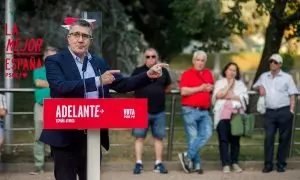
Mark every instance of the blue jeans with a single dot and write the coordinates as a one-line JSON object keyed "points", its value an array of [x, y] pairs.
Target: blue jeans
{"points": [[198, 128], [157, 122]]}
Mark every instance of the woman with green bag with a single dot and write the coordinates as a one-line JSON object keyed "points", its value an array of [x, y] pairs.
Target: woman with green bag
{"points": [[229, 97]]}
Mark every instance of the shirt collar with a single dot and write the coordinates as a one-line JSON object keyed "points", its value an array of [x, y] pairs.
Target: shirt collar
{"points": [[145, 66], [76, 58], [279, 74], [195, 70]]}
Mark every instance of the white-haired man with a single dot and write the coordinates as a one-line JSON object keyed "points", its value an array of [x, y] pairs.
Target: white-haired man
{"points": [[196, 85]]}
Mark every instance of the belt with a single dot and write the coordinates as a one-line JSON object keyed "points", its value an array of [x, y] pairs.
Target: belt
{"points": [[279, 109], [202, 109]]}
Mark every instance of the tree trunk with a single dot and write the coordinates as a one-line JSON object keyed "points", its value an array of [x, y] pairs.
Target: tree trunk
{"points": [[273, 37], [109, 50]]}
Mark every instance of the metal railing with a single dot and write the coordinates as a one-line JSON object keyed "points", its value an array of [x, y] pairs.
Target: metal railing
{"points": [[171, 127]]}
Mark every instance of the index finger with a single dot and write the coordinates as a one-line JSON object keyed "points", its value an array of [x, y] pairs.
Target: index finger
{"points": [[163, 65], [113, 71]]}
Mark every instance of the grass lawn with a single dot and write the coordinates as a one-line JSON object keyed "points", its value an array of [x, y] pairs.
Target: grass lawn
{"points": [[247, 61]]}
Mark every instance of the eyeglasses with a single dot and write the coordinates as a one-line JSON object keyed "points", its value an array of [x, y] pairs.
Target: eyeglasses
{"points": [[77, 35], [272, 61], [148, 57]]}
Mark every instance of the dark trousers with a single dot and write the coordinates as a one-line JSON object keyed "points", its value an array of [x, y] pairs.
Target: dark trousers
{"points": [[70, 161], [226, 138], [277, 119]]}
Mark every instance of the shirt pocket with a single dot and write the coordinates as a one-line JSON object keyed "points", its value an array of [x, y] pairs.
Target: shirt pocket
{"points": [[283, 87]]}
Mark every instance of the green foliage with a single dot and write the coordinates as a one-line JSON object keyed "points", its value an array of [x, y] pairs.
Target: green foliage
{"points": [[184, 61], [123, 43], [119, 44], [233, 19], [264, 7], [288, 62], [156, 20], [201, 20]]}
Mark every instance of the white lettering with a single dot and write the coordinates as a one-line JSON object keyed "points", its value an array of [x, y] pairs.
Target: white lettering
{"points": [[92, 110], [58, 113], [80, 112], [64, 109], [60, 120], [69, 111], [97, 111], [86, 111], [129, 113], [70, 121]]}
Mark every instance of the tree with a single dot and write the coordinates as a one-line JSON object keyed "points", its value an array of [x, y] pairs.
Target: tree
{"points": [[202, 21], [119, 44], [284, 15], [156, 20], [284, 22], [169, 25]]}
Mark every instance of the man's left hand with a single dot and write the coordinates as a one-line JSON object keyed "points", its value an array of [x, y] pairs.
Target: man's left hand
{"points": [[209, 87], [3, 112], [156, 70]]}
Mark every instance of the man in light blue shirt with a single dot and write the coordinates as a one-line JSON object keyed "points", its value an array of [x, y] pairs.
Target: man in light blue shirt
{"points": [[64, 74], [88, 73], [279, 90]]}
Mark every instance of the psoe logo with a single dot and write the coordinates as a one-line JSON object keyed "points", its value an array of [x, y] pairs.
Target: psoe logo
{"points": [[129, 113]]}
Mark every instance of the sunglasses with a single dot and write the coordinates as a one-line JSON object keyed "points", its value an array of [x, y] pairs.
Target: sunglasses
{"points": [[272, 61], [148, 57]]}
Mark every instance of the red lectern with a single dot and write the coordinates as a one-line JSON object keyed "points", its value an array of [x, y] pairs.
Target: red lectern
{"points": [[94, 114]]}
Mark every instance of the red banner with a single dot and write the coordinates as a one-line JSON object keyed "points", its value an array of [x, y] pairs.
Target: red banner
{"points": [[95, 113]]}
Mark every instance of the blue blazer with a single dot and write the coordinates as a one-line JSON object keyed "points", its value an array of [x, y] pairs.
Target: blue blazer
{"points": [[65, 82]]}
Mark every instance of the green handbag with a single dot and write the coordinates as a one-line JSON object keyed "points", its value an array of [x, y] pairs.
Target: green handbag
{"points": [[242, 124]]}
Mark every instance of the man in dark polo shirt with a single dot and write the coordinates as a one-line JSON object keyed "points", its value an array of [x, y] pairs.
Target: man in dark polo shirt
{"points": [[155, 93], [196, 85]]}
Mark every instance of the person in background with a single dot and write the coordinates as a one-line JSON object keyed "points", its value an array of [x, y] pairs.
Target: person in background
{"points": [[41, 92], [155, 94], [229, 97], [3, 113], [196, 85], [279, 90]]}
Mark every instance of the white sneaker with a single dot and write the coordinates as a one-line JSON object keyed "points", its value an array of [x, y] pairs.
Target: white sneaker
{"points": [[237, 168], [226, 169]]}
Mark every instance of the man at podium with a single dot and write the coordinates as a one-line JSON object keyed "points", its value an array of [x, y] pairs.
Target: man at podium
{"points": [[75, 73]]}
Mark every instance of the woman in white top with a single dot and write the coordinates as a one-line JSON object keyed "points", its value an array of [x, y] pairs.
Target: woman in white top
{"points": [[229, 97]]}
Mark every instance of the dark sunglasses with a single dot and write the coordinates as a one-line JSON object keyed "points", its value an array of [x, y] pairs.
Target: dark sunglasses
{"points": [[272, 61], [153, 57]]}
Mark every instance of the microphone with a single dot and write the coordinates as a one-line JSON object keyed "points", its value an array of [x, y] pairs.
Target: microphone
{"points": [[101, 84], [85, 61]]}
